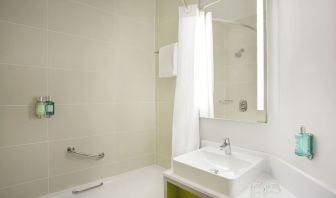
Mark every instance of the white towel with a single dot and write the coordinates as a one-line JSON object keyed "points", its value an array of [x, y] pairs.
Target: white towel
{"points": [[168, 61]]}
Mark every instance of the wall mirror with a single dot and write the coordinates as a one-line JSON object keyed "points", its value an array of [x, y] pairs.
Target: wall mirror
{"points": [[240, 60]]}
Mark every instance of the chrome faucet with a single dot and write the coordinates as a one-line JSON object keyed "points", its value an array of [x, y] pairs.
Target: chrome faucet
{"points": [[226, 145]]}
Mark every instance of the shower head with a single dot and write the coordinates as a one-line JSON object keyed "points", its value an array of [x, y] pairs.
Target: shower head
{"points": [[239, 53]]}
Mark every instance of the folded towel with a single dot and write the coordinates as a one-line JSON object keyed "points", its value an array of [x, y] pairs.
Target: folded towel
{"points": [[168, 61]]}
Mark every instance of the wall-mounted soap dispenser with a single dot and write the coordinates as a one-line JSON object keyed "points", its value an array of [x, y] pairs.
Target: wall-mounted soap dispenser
{"points": [[44, 107], [40, 108], [304, 144], [49, 107]]}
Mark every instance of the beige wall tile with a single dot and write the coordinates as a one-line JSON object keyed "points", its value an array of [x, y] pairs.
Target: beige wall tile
{"points": [[139, 9], [21, 85], [133, 144], [140, 64], [28, 12], [61, 162], [132, 33], [135, 117], [167, 32], [69, 87], [164, 142], [168, 9], [107, 5], [165, 89], [238, 74], [23, 164], [82, 120], [79, 19], [92, 56], [220, 64], [71, 52], [135, 88], [165, 115], [94, 173], [18, 125], [27, 190], [22, 45], [133, 163], [164, 161]]}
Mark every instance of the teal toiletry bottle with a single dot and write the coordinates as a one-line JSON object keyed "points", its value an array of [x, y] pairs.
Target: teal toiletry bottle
{"points": [[49, 107], [304, 144], [40, 108]]}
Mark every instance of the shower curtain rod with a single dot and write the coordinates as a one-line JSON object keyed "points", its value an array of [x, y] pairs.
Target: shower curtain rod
{"points": [[235, 23], [184, 2]]}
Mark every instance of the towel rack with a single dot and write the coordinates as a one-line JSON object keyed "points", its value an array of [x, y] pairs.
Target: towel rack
{"points": [[72, 150], [86, 189]]}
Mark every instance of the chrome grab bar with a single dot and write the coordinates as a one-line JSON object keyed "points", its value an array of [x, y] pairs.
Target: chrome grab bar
{"points": [[72, 150], [86, 189]]}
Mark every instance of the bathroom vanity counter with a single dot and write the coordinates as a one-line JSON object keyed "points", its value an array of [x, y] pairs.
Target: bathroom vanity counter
{"points": [[204, 192]]}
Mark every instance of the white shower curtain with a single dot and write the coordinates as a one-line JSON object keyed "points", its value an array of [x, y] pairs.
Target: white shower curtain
{"points": [[194, 82]]}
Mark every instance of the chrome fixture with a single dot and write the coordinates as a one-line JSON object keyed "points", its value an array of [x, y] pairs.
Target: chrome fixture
{"points": [[239, 53], [225, 101], [72, 150], [214, 171], [86, 189], [226, 145], [243, 105], [225, 21]]}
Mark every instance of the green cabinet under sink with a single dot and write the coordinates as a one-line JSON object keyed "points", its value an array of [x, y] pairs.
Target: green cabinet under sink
{"points": [[174, 191]]}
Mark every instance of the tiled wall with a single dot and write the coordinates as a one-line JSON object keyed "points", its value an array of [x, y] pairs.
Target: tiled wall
{"points": [[95, 58], [167, 26]]}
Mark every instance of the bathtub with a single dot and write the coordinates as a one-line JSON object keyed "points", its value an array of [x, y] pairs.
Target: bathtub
{"points": [[141, 183]]}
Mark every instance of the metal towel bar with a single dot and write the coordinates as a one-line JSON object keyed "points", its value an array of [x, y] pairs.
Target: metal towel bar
{"points": [[86, 189], [72, 150]]}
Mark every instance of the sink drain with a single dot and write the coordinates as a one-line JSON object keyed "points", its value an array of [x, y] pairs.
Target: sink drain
{"points": [[214, 171]]}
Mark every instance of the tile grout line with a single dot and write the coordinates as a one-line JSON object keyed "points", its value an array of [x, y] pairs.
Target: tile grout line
{"points": [[82, 104], [118, 14], [20, 145], [107, 41], [23, 65], [116, 132], [2, 64], [22, 183], [48, 135], [156, 145]]}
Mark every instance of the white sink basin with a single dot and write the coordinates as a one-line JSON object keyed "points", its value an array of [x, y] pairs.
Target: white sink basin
{"points": [[212, 168]]}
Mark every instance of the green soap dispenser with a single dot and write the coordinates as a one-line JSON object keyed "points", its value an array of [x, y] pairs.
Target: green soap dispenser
{"points": [[49, 107], [304, 144]]}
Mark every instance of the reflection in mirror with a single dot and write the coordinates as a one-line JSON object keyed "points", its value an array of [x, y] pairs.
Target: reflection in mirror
{"points": [[239, 60]]}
